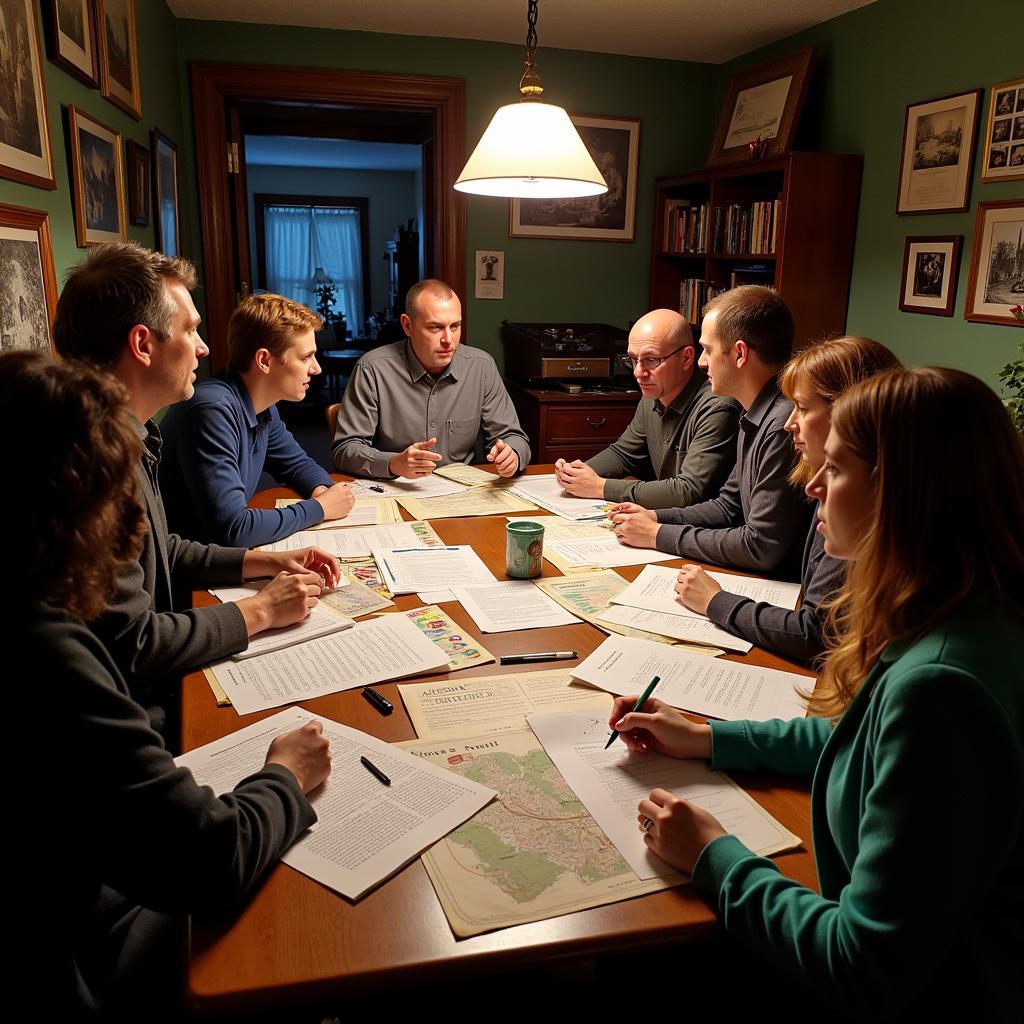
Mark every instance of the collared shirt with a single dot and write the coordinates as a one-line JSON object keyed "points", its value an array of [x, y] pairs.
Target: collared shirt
{"points": [[681, 452], [217, 448], [759, 520], [391, 401]]}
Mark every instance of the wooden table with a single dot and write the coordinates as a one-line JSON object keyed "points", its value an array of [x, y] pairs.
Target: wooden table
{"points": [[298, 942]]}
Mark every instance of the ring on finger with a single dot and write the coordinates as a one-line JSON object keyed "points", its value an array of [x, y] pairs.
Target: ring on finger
{"points": [[646, 825]]}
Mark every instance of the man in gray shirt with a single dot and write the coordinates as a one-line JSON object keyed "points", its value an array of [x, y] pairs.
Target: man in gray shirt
{"points": [[758, 521], [418, 403], [682, 441]]}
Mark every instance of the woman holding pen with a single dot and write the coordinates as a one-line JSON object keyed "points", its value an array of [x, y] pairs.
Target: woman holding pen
{"points": [[915, 738], [812, 381], [114, 843]]}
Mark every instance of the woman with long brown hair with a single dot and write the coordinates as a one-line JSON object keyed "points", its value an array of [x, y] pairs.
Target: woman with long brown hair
{"points": [[115, 843], [812, 380], [916, 734]]}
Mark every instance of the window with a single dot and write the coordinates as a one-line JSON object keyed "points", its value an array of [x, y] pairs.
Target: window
{"points": [[299, 234]]}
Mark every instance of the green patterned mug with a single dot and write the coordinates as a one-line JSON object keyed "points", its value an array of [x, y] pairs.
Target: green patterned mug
{"points": [[524, 545]]}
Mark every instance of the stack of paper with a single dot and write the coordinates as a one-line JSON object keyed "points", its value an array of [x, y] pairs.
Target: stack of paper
{"points": [[604, 552], [475, 501], [718, 689], [365, 512], [546, 491], [359, 541], [503, 607], [421, 486], [407, 570], [367, 831]]}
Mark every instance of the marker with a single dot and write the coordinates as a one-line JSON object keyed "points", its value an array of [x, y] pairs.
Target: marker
{"points": [[519, 659], [414, 551], [374, 770], [641, 701], [382, 704], [374, 487]]}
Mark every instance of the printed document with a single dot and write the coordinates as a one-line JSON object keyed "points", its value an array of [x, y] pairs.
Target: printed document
{"points": [[365, 512], [389, 647], [654, 589], [359, 541], [503, 607], [605, 552], [470, 476], [366, 831], [545, 490], [421, 487], [711, 687], [678, 627], [447, 709], [406, 570], [610, 783], [476, 501]]}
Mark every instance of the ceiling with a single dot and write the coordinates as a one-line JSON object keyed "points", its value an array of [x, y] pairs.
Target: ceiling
{"points": [[282, 151], [708, 31]]}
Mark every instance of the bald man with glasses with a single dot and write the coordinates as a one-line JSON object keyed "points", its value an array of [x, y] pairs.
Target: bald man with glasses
{"points": [[681, 444]]}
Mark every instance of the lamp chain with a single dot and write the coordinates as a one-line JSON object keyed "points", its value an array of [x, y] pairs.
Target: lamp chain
{"points": [[530, 85]]}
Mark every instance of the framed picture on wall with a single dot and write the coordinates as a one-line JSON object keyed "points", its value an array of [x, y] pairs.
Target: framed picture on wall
{"points": [[137, 160], [996, 282], [938, 154], [930, 267], [119, 55], [28, 283], [165, 194], [97, 180], [614, 143], [25, 151], [1004, 136], [762, 103], [71, 38]]}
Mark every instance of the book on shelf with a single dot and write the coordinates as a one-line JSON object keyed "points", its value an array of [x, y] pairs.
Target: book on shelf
{"points": [[694, 294], [685, 227], [748, 229]]}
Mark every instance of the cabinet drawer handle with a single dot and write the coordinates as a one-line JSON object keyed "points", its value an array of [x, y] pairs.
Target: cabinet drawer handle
{"points": [[597, 424]]}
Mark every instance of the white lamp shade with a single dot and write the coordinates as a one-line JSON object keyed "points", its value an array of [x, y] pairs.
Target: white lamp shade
{"points": [[531, 150]]}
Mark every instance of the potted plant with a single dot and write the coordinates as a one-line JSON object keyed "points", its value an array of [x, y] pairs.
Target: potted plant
{"points": [[1012, 376]]}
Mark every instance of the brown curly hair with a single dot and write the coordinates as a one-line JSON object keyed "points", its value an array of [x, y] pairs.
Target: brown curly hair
{"points": [[79, 517]]}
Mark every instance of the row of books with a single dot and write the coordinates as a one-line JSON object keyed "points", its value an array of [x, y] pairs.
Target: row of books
{"points": [[694, 294], [751, 229]]}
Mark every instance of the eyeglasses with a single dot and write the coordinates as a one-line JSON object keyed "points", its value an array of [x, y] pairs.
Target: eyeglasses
{"points": [[649, 363]]}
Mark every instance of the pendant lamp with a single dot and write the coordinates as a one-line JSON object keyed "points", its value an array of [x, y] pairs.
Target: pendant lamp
{"points": [[531, 150]]}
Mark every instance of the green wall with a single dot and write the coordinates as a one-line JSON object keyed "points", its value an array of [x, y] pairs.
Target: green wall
{"points": [[544, 279], [872, 62], [161, 108]]}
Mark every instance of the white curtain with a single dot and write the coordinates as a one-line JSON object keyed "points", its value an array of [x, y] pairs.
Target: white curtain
{"points": [[301, 238]]}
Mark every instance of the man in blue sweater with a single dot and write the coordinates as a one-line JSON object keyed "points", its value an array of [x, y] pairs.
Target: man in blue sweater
{"points": [[219, 442]]}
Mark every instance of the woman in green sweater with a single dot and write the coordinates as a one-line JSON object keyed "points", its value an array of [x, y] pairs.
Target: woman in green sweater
{"points": [[915, 739]]}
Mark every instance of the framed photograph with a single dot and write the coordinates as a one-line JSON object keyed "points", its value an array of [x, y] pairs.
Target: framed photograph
{"points": [[930, 267], [137, 159], [1004, 137], [28, 282], [165, 194], [996, 282], [938, 154], [119, 55], [71, 38], [490, 274], [763, 103], [25, 151], [614, 143], [97, 180]]}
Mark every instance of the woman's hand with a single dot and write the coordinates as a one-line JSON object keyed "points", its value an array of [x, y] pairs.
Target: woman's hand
{"points": [[678, 830], [658, 727], [696, 588]]}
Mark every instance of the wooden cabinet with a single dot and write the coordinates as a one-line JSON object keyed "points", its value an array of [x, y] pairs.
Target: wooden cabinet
{"points": [[564, 426], [814, 197]]}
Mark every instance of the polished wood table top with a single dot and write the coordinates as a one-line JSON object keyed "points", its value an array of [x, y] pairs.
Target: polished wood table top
{"points": [[298, 941]]}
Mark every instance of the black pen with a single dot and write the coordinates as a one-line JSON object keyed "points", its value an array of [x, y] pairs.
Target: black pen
{"points": [[374, 770], [384, 706], [520, 659]]}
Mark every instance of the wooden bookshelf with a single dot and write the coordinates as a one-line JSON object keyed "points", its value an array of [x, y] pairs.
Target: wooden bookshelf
{"points": [[817, 196]]}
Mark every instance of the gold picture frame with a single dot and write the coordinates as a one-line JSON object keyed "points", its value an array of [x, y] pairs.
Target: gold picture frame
{"points": [[97, 180], [26, 154], [1003, 157], [119, 55], [762, 103], [71, 38], [166, 210], [996, 281]]}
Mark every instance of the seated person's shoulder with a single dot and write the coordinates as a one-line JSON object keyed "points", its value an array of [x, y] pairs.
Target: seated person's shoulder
{"points": [[383, 356], [484, 361]]}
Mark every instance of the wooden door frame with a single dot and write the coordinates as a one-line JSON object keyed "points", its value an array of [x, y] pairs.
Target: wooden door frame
{"points": [[215, 84]]}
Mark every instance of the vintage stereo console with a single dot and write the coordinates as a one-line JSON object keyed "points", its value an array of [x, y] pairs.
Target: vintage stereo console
{"points": [[578, 357]]}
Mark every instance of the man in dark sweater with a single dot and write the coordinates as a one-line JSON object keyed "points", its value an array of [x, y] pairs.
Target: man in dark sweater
{"points": [[682, 441], [128, 311], [758, 520]]}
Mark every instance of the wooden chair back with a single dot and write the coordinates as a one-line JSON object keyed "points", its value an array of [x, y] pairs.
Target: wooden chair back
{"points": [[331, 412]]}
